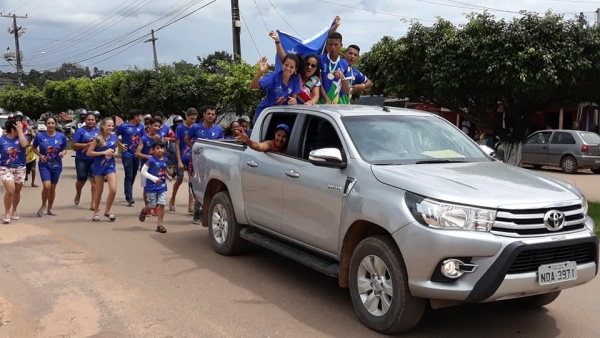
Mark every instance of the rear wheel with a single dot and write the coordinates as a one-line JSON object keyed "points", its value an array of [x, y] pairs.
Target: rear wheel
{"points": [[379, 287], [536, 301], [569, 165]]}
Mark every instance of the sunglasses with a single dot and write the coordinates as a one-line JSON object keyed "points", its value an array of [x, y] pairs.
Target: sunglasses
{"points": [[311, 65]]}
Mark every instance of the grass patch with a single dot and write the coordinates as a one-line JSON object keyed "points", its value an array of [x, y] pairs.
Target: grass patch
{"points": [[594, 212]]}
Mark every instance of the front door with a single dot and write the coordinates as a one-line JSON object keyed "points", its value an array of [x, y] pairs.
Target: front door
{"points": [[313, 196], [535, 149]]}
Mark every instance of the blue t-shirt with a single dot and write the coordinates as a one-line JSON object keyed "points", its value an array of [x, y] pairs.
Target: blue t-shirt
{"points": [[147, 141], [164, 131], [333, 87], [84, 135], [278, 93], [357, 77], [12, 155], [51, 146], [200, 131], [130, 136], [184, 150], [157, 168], [105, 165]]}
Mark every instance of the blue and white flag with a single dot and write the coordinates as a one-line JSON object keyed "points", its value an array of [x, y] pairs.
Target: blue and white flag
{"points": [[293, 45]]}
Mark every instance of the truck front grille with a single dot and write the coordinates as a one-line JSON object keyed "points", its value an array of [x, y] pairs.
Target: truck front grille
{"points": [[530, 260], [530, 222]]}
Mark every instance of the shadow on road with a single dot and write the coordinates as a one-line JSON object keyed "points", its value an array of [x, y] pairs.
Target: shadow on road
{"points": [[318, 301]]}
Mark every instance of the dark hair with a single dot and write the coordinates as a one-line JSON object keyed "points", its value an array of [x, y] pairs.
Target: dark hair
{"points": [[336, 36], [354, 47], [88, 114], [159, 113], [9, 125], [241, 120], [316, 57], [156, 119], [191, 112], [133, 113], [300, 65], [50, 118], [208, 107], [158, 143]]}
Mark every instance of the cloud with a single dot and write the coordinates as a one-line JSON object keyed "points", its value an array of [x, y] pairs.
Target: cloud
{"points": [[86, 31]]}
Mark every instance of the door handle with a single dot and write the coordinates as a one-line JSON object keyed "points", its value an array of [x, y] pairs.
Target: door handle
{"points": [[292, 173], [252, 164]]}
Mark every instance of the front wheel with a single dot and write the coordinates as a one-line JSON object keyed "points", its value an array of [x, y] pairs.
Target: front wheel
{"points": [[379, 287], [223, 229]]}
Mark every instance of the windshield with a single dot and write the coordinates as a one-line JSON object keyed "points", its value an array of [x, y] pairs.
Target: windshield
{"points": [[411, 140], [590, 138]]}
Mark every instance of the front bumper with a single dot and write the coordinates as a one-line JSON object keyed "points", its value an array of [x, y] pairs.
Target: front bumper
{"points": [[424, 248]]}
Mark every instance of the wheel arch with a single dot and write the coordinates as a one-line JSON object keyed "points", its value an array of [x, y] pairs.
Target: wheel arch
{"points": [[213, 187]]}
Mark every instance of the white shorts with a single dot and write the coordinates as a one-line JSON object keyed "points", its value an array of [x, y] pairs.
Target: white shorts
{"points": [[13, 174]]}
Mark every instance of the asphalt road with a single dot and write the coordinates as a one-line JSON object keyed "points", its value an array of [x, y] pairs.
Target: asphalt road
{"points": [[66, 276]]}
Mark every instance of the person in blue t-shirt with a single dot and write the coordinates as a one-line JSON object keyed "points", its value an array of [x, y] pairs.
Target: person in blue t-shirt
{"points": [[244, 122], [335, 73], [155, 172], [282, 86], [103, 150], [50, 147], [12, 167], [183, 156], [81, 141], [144, 150], [130, 134], [206, 129], [358, 81]]}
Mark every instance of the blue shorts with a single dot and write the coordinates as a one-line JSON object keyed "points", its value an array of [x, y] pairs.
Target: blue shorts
{"points": [[84, 169], [48, 175], [156, 198]]}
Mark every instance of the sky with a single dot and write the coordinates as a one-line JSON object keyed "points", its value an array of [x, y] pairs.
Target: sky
{"points": [[110, 34]]}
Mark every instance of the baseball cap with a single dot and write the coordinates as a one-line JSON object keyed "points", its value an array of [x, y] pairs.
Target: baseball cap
{"points": [[284, 127]]}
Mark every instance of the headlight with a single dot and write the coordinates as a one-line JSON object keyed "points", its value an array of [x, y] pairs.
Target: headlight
{"points": [[584, 202], [441, 215]]}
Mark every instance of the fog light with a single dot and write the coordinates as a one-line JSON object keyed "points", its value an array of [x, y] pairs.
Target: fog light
{"points": [[451, 268]]}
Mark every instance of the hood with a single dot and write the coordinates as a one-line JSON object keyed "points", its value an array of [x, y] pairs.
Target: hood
{"points": [[488, 184]]}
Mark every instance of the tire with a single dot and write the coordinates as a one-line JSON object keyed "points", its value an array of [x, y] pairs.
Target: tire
{"points": [[595, 170], [405, 311], [569, 165], [224, 231], [537, 301]]}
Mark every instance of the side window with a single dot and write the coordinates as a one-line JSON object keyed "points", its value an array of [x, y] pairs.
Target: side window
{"points": [[563, 138], [271, 121], [319, 133], [539, 138]]}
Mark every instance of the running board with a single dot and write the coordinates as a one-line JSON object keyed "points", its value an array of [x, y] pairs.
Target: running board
{"points": [[302, 257]]}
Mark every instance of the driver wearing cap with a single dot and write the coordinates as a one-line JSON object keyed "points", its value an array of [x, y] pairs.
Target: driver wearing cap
{"points": [[278, 145]]}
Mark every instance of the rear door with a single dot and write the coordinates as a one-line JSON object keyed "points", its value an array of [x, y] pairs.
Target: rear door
{"points": [[535, 149]]}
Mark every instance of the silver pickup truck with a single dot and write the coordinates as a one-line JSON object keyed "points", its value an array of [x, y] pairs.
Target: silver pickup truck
{"points": [[400, 206]]}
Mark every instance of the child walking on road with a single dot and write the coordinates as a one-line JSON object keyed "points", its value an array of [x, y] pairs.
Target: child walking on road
{"points": [[155, 172]]}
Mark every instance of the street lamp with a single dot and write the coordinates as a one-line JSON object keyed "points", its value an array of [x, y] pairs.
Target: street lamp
{"points": [[10, 55]]}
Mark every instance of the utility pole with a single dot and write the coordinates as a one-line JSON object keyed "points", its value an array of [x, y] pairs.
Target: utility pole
{"points": [[597, 17], [17, 31], [236, 26], [153, 40]]}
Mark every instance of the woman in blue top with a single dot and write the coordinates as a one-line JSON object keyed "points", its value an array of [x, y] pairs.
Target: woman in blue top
{"points": [[50, 146], [12, 167], [103, 149], [234, 130], [282, 86]]}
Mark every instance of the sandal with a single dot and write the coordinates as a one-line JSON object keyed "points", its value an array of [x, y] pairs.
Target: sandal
{"points": [[50, 213], [111, 217], [96, 218], [6, 221], [142, 216], [40, 212], [161, 229], [171, 207], [16, 218], [76, 200]]}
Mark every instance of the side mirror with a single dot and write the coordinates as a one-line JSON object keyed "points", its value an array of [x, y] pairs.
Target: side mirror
{"points": [[327, 157], [489, 151]]}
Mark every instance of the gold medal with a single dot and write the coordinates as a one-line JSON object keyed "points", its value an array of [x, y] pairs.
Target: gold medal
{"points": [[330, 76]]}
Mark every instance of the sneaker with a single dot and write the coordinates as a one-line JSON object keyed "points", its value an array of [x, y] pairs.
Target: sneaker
{"points": [[130, 202], [155, 211]]}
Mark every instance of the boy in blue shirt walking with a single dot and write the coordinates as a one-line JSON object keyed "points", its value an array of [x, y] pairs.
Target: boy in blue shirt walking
{"points": [[155, 172]]}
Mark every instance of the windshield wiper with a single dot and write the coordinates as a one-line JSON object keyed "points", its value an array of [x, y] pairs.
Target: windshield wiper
{"points": [[439, 161]]}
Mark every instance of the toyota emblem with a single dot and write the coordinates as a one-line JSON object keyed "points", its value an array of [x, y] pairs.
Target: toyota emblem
{"points": [[554, 220]]}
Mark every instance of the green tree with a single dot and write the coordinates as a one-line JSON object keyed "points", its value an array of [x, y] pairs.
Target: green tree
{"points": [[30, 101], [213, 63], [523, 65]]}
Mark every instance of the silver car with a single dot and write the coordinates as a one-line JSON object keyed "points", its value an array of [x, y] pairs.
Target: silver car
{"points": [[569, 149]]}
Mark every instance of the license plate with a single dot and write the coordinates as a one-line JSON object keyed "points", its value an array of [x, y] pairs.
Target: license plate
{"points": [[597, 161], [557, 273]]}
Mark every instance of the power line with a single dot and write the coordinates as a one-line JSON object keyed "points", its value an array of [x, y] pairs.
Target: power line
{"points": [[376, 12], [38, 7], [9, 6], [282, 18], [250, 33], [23, 5], [261, 16]]}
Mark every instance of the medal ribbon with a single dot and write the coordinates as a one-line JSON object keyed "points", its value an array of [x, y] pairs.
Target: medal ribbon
{"points": [[332, 69]]}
